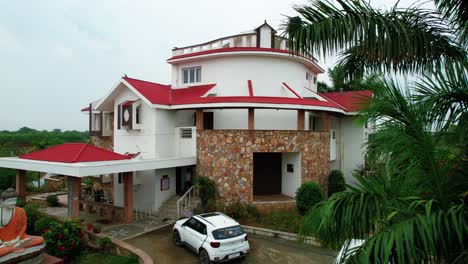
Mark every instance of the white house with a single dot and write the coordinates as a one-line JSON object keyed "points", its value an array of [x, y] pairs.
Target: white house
{"points": [[246, 108]]}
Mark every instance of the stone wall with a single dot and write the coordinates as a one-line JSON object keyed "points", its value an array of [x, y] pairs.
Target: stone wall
{"points": [[103, 142], [226, 156]]}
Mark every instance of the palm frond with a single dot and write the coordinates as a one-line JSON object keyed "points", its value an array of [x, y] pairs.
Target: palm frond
{"points": [[400, 40], [430, 235]]}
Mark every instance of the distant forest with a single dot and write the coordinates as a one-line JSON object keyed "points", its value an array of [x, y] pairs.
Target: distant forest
{"points": [[24, 140]]}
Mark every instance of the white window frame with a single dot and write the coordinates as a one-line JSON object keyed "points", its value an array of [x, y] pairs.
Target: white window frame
{"points": [[194, 72]]}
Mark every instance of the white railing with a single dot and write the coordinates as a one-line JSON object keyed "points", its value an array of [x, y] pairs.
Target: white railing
{"points": [[235, 41], [186, 202]]}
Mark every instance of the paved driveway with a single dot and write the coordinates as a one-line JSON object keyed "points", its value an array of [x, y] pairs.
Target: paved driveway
{"points": [[158, 244]]}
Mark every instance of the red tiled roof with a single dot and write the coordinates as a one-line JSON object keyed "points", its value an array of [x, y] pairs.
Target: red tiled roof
{"points": [[352, 101], [86, 109], [74, 153]]}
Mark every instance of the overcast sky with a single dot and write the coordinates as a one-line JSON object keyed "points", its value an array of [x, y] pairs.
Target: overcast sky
{"points": [[58, 56]]}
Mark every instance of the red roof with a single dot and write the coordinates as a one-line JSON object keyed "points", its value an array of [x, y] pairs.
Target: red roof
{"points": [[163, 94], [86, 109], [235, 49], [352, 101], [74, 153]]}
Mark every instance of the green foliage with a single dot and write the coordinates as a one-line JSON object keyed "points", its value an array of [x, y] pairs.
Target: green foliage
{"points": [[413, 39], [88, 182], [64, 239], [32, 214], [52, 200], [15, 143], [97, 228], [43, 224], [289, 221], [307, 196], [412, 205], [7, 178], [207, 190], [239, 210], [104, 243], [336, 182]]}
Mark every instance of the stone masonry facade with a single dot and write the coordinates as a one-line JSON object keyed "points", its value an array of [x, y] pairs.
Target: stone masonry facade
{"points": [[226, 157]]}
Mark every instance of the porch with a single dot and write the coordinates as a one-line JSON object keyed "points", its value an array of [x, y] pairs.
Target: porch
{"points": [[75, 161]]}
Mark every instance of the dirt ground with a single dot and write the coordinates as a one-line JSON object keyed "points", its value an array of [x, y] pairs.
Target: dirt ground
{"points": [[158, 244]]}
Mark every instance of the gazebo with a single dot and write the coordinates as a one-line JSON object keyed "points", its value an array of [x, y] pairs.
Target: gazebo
{"points": [[77, 160]]}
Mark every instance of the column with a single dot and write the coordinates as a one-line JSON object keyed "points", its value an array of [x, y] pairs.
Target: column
{"points": [[326, 122], [21, 184], [128, 197], [300, 119], [199, 119], [251, 118], [74, 188]]}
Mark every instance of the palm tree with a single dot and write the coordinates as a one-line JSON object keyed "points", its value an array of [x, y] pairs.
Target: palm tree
{"points": [[415, 211], [339, 81], [402, 40]]}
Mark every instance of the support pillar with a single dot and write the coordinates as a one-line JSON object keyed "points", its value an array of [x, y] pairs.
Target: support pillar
{"points": [[251, 118], [300, 119], [128, 196], [74, 188], [21, 184], [326, 122], [199, 119]]}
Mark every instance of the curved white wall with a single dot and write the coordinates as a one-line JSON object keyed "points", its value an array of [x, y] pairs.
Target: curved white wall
{"points": [[267, 73]]}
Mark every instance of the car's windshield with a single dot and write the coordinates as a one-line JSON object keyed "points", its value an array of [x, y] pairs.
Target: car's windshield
{"points": [[228, 232]]}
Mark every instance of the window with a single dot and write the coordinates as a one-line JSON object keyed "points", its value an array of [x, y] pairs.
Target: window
{"points": [[138, 114], [192, 75], [228, 232], [196, 225], [315, 79]]}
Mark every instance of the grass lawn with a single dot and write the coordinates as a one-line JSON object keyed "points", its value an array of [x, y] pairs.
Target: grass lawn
{"points": [[282, 221], [95, 258]]}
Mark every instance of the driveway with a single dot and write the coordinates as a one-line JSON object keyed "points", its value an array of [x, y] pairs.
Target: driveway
{"points": [[158, 244]]}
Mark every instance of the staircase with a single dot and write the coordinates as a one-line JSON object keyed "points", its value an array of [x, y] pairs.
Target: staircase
{"points": [[188, 202], [166, 214]]}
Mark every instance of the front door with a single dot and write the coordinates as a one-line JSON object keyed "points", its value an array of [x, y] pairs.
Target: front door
{"points": [[267, 173]]}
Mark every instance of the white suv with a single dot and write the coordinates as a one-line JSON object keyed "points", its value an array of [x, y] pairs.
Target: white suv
{"points": [[215, 237]]}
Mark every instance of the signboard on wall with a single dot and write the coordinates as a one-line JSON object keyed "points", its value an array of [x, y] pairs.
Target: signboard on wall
{"points": [[165, 183]]}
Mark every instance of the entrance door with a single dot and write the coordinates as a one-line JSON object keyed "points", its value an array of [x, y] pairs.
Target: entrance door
{"points": [[267, 173]]}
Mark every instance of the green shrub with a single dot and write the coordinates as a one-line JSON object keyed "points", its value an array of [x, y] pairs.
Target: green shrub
{"points": [[52, 200], [238, 210], [104, 243], [289, 221], [32, 214], [64, 239], [308, 195], [206, 189], [43, 224], [88, 182], [336, 182]]}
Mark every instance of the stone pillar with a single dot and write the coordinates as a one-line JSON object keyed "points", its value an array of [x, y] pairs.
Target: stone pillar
{"points": [[199, 119], [74, 188], [128, 197], [326, 122], [300, 119], [251, 118], [21, 184]]}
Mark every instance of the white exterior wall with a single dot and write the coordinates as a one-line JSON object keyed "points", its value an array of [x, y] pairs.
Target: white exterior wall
{"points": [[162, 196], [147, 194], [290, 181], [353, 149], [133, 141], [267, 73], [265, 37], [335, 124]]}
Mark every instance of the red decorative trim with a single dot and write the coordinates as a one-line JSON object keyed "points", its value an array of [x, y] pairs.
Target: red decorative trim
{"points": [[292, 91], [235, 49], [249, 82]]}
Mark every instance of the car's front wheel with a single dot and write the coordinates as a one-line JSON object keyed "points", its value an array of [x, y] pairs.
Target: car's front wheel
{"points": [[204, 257], [176, 238]]}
